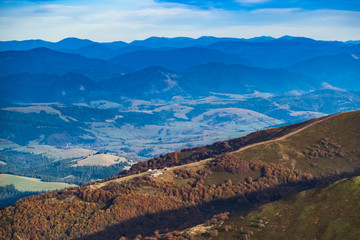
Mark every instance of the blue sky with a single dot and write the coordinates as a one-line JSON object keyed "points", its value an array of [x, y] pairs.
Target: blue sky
{"points": [[127, 20]]}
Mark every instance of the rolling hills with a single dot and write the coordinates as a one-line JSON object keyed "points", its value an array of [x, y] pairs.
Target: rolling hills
{"points": [[178, 59], [340, 70], [204, 65], [195, 189], [282, 52], [261, 51], [240, 79], [44, 60], [31, 87]]}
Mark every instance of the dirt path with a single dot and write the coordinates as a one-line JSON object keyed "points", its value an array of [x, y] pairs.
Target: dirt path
{"points": [[202, 162], [118, 180]]}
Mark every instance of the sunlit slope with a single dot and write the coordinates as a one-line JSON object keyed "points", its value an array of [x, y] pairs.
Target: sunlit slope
{"points": [[332, 145]]}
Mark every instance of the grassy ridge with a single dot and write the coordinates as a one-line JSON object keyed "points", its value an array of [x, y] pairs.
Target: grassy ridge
{"points": [[296, 152]]}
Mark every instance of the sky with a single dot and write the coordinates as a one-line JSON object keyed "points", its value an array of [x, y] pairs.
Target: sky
{"points": [[127, 20]]}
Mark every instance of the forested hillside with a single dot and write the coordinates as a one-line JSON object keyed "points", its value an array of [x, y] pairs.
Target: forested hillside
{"points": [[193, 191]]}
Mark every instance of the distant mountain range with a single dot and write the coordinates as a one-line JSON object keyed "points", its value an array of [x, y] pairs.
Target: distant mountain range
{"points": [[259, 51], [152, 42], [179, 59], [284, 51], [219, 77], [149, 97], [44, 60], [318, 62], [339, 70], [32, 87], [151, 83]]}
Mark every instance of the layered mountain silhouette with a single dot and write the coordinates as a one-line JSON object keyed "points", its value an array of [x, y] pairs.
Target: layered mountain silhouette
{"points": [[282, 52], [340, 70], [152, 42], [320, 63], [207, 78], [46, 87], [157, 82], [260, 51], [150, 83], [219, 77], [44, 60], [177, 59]]}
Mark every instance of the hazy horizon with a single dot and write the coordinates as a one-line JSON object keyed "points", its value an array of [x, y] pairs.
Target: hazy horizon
{"points": [[130, 41]]}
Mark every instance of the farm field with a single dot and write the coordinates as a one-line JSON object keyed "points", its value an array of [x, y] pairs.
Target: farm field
{"points": [[31, 184]]}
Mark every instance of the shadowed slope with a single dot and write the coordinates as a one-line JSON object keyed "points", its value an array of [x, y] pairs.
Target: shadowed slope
{"points": [[326, 213]]}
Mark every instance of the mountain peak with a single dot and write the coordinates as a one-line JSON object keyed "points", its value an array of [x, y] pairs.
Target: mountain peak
{"points": [[74, 39], [73, 43], [293, 38]]}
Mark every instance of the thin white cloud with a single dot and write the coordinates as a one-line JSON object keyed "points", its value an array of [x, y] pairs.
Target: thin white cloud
{"points": [[248, 2], [326, 85], [273, 11], [128, 20]]}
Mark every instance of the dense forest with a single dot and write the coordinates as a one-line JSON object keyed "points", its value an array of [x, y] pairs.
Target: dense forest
{"points": [[129, 205], [148, 206], [9, 195]]}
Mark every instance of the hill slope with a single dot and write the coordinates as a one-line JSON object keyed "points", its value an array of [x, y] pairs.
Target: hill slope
{"points": [[206, 79], [45, 87], [150, 83], [325, 213], [177, 59], [46, 61], [199, 185], [235, 78], [340, 70], [328, 147], [282, 52]]}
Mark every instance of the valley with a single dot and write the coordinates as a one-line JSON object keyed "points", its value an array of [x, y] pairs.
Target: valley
{"points": [[131, 129]]}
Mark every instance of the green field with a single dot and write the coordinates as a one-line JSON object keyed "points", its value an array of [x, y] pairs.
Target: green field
{"points": [[31, 184]]}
